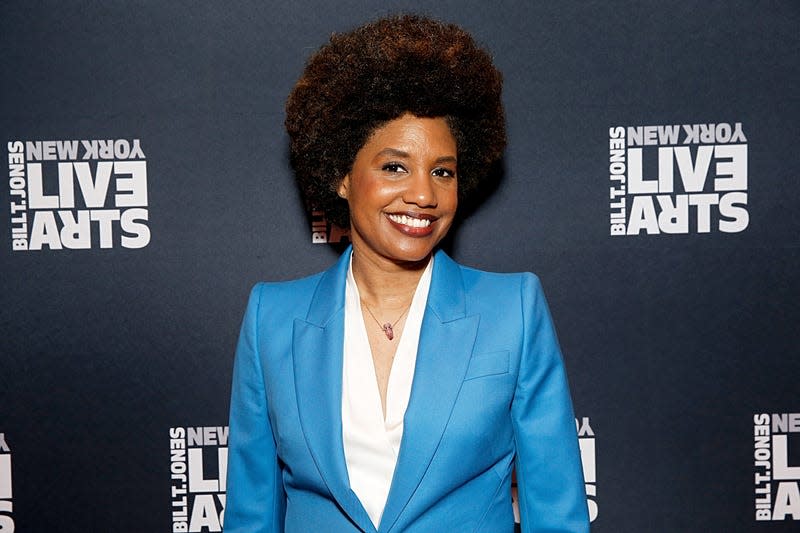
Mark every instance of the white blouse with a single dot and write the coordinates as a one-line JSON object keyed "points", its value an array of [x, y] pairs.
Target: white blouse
{"points": [[372, 443]]}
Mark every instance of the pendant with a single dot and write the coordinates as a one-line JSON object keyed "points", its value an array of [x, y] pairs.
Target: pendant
{"points": [[387, 329]]}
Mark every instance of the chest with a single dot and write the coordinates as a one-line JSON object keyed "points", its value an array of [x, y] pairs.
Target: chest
{"points": [[382, 352]]}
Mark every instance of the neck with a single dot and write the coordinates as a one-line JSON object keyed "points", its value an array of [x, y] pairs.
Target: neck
{"points": [[386, 284]]}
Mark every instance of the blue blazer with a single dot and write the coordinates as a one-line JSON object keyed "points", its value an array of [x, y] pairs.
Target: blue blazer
{"points": [[489, 393]]}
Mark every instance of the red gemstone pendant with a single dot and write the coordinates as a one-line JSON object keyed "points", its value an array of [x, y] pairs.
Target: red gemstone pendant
{"points": [[387, 328]]}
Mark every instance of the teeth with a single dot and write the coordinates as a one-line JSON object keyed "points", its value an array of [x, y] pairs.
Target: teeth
{"points": [[410, 221]]}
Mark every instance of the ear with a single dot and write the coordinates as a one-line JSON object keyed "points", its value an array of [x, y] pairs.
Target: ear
{"points": [[343, 190]]}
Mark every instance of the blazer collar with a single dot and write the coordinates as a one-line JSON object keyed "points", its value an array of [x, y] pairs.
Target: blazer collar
{"points": [[445, 348], [446, 297], [328, 299], [317, 357]]}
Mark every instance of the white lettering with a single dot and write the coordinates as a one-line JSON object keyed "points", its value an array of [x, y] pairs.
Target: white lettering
{"points": [[787, 501]]}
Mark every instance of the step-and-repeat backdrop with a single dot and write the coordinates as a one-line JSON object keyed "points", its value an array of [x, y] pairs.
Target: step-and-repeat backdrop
{"points": [[652, 181]]}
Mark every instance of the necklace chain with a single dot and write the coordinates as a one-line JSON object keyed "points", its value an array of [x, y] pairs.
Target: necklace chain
{"points": [[387, 327]]}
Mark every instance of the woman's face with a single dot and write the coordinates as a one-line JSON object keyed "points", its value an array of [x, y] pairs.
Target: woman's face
{"points": [[402, 190]]}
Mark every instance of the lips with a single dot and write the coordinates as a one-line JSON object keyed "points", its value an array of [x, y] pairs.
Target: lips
{"points": [[413, 224], [410, 221]]}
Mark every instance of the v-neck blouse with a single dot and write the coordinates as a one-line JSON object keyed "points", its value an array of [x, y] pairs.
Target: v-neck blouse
{"points": [[372, 443]]}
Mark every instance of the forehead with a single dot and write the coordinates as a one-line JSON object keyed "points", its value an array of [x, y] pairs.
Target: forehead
{"points": [[412, 134]]}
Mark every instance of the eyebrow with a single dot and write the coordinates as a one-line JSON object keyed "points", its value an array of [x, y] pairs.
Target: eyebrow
{"points": [[393, 152]]}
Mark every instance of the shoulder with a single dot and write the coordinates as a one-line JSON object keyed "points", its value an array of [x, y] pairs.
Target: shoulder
{"points": [[503, 294], [287, 289], [512, 306], [314, 298], [497, 295], [280, 299], [497, 278], [481, 283]]}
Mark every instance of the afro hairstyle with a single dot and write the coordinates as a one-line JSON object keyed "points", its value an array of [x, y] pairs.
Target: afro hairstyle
{"points": [[369, 76]]}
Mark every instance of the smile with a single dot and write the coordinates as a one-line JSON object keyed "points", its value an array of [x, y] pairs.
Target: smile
{"points": [[409, 221]]}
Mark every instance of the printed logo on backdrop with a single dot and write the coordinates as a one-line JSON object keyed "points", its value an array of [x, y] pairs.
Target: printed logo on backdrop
{"points": [[586, 443], [776, 458], [77, 194], [6, 494], [678, 179], [198, 468], [323, 232]]}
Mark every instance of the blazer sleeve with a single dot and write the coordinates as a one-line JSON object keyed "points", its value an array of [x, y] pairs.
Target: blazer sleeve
{"points": [[256, 501], [549, 475]]}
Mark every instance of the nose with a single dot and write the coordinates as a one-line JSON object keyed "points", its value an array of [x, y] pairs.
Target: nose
{"points": [[420, 190]]}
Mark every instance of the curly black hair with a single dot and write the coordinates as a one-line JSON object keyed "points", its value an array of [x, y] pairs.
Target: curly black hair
{"points": [[374, 74]]}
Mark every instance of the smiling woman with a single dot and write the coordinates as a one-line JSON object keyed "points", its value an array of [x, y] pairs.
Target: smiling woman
{"points": [[398, 390], [402, 191]]}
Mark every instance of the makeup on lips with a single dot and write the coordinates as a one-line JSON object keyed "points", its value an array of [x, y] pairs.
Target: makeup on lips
{"points": [[412, 224]]}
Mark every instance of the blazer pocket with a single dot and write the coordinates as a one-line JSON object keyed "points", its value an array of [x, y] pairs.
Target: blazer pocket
{"points": [[487, 364]]}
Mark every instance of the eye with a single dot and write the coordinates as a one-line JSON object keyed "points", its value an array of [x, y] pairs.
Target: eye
{"points": [[393, 168], [443, 172]]}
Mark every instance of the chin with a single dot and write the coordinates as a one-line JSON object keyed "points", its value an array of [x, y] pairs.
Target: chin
{"points": [[413, 254]]}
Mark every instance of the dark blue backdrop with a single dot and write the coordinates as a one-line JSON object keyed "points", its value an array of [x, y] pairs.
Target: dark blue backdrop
{"points": [[673, 342]]}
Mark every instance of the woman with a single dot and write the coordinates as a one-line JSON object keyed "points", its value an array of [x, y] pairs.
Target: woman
{"points": [[398, 390]]}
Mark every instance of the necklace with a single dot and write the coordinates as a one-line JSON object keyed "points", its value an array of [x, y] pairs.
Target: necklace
{"points": [[387, 327]]}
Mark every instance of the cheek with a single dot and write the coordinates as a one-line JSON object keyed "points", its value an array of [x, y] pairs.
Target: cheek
{"points": [[451, 198], [376, 192], [367, 197]]}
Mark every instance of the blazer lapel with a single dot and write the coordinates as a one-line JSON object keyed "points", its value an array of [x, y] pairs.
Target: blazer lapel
{"points": [[445, 348], [317, 355]]}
